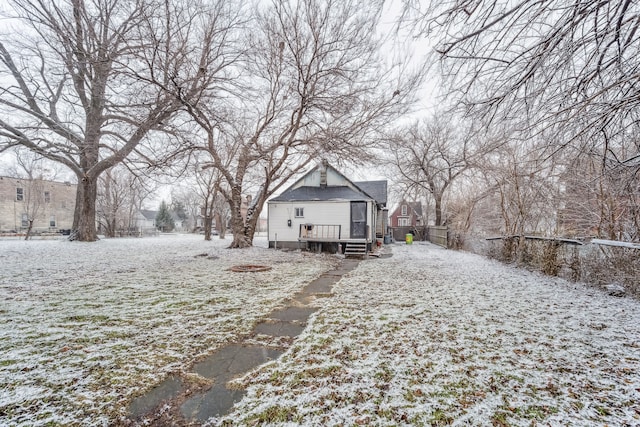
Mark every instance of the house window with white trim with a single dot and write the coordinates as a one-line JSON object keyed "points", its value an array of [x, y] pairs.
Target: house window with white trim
{"points": [[52, 221], [404, 209], [19, 194], [47, 197], [299, 212], [403, 222], [25, 220]]}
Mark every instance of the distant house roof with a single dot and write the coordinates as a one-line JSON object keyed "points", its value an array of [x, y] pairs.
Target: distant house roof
{"points": [[416, 207], [149, 214]]}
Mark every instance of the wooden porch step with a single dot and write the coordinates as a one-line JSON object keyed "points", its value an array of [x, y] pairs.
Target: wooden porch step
{"points": [[353, 250]]}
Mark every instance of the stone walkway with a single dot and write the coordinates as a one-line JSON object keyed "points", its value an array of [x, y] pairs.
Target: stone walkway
{"points": [[205, 394]]}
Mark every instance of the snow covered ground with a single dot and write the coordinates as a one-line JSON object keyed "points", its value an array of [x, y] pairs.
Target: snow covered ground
{"points": [[436, 337], [84, 327], [425, 337]]}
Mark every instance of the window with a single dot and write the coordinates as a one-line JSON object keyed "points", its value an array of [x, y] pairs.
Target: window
{"points": [[299, 213], [19, 194], [404, 209], [47, 197], [52, 221], [403, 222], [25, 220]]}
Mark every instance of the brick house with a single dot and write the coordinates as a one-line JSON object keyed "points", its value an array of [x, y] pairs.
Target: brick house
{"points": [[407, 214], [50, 203]]}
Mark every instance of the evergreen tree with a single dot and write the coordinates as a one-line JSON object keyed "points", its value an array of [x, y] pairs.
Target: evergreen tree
{"points": [[179, 210], [164, 220]]}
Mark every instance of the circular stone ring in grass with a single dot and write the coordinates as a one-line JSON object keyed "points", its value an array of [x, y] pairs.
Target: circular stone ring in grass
{"points": [[248, 268]]}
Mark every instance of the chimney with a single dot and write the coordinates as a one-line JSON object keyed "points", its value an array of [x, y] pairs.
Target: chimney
{"points": [[323, 172]]}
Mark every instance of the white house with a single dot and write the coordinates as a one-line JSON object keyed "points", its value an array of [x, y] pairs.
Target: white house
{"points": [[145, 219], [325, 211]]}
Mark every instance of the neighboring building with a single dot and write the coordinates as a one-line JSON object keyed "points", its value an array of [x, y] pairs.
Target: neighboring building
{"points": [[50, 203], [177, 221], [145, 219], [325, 211], [407, 214]]}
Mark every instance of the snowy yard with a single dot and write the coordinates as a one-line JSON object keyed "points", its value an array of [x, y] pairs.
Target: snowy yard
{"points": [[436, 337], [425, 337], [84, 327]]}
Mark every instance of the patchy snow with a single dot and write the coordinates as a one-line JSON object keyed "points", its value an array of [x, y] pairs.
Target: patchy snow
{"points": [[436, 337], [85, 327], [426, 337]]}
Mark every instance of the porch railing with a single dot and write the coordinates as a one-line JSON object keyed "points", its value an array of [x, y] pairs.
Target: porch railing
{"points": [[320, 232]]}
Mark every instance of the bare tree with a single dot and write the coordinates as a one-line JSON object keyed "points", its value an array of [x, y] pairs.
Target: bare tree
{"points": [[87, 83], [602, 199], [314, 85], [119, 198], [566, 65], [33, 171], [188, 197], [221, 214], [209, 182], [469, 209], [430, 155]]}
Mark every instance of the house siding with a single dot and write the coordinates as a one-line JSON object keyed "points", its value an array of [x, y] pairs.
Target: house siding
{"points": [[326, 197], [410, 216], [60, 205], [313, 178], [325, 212]]}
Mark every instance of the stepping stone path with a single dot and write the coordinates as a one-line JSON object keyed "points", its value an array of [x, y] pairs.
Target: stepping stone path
{"points": [[174, 402]]}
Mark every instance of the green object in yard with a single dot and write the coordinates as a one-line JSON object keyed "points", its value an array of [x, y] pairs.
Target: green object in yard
{"points": [[408, 238]]}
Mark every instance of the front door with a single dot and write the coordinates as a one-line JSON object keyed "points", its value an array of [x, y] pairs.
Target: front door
{"points": [[358, 220]]}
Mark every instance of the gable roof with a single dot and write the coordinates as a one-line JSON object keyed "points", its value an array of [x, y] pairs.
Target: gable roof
{"points": [[416, 207], [309, 188], [308, 193], [149, 214], [376, 189]]}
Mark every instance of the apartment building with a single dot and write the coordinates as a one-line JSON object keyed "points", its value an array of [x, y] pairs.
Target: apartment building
{"points": [[49, 203]]}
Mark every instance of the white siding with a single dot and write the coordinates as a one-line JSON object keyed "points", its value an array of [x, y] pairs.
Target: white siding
{"points": [[326, 212], [320, 213], [312, 179]]}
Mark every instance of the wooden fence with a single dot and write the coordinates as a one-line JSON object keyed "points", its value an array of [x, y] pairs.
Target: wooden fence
{"points": [[438, 235], [399, 233]]}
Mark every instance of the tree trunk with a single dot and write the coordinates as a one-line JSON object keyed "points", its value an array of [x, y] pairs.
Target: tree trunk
{"points": [[207, 226], [26, 237], [111, 225], [438, 199], [222, 228], [241, 237], [244, 229], [84, 218]]}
